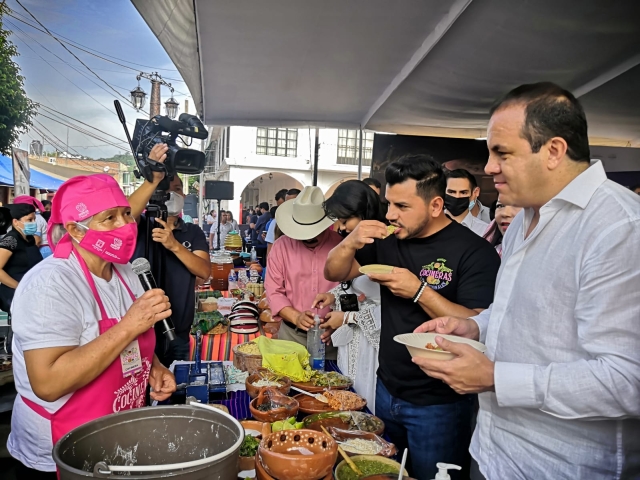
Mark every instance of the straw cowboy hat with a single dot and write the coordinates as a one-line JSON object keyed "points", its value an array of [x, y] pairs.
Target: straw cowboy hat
{"points": [[303, 218]]}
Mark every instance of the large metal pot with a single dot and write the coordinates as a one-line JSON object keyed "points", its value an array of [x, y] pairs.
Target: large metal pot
{"points": [[191, 442]]}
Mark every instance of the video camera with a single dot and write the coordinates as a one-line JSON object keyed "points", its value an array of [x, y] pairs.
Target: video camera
{"points": [[148, 133]]}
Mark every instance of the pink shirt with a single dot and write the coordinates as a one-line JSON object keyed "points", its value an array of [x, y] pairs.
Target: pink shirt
{"points": [[295, 273]]}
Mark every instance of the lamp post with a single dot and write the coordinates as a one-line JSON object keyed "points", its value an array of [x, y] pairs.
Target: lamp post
{"points": [[138, 96]]}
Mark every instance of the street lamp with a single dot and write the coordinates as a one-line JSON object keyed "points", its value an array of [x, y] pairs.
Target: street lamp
{"points": [[138, 97], [171, 106]]}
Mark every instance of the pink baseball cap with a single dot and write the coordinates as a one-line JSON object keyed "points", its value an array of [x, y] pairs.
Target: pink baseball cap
{"points": [[29, 200], [80, 198]]}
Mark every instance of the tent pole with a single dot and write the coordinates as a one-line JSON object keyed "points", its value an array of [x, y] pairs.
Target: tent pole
{"points": [[316, 150], [360, 157]]}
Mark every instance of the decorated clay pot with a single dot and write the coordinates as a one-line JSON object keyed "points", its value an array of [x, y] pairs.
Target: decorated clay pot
{"points": [[298, 454]]}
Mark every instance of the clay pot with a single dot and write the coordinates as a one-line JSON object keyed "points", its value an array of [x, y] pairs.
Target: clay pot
{"points": [[263, 427], [266, 316], [246, 463], [287, 455], [275, 414], [263, 304], [254, 391]]}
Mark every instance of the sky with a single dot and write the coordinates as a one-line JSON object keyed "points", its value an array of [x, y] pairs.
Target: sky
{"points": [[111, 27]]}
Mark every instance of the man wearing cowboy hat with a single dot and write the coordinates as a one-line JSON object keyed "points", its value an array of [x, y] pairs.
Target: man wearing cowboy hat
{"points": [[296, 264]]}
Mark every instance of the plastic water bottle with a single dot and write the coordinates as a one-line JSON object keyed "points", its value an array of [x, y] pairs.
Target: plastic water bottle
{"points": [[315, 345], [254, 254], [233, 280]]}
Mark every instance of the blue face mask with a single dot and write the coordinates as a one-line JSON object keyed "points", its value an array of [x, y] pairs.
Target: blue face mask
{"points": [[472, 204], [30, 228]]}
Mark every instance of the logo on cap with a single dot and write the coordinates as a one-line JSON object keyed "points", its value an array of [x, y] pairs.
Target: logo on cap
{"points": [[83, 211], [117, 243]]}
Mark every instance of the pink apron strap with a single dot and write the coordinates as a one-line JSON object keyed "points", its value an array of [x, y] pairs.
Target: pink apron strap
{"points": [[39, 409], [92, 284]]}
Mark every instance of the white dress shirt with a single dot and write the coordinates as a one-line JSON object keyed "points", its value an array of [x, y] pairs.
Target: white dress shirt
{"points": [[474, 224], [564, 333]]}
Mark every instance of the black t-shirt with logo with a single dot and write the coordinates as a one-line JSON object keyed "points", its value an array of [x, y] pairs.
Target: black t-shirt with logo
{"points": [[179, 282], [457, 264]]}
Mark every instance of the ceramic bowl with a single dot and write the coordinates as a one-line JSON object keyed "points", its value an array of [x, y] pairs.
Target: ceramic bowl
{"points": [[298, 454], [386, 449], [353, 421], [416, 344], [290, 410], [253, 391], [342, 465]]}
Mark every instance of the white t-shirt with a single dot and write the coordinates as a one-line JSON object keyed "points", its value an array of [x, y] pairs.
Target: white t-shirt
{"points": [[42, 229], [53, 307]]}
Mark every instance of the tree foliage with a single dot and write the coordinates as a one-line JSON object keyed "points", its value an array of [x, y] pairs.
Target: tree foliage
{"points": [[16, 109]]}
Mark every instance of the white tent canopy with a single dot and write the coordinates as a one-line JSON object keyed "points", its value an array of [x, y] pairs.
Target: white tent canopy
{"points": [[430, 67]]}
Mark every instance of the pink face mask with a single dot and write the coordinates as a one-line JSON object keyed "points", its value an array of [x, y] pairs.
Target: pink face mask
{"points": [[116, 246]]}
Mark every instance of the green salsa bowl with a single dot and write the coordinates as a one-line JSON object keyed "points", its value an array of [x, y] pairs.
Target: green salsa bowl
{"points": [[369, 465]]}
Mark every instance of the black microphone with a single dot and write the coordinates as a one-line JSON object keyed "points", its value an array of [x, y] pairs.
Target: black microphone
{"points": [[142, 268]]}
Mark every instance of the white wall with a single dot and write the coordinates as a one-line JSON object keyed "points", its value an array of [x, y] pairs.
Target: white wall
{"points": [[244, 165]]}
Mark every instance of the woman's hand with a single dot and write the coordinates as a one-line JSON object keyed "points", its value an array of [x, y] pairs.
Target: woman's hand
{"points": [[162, 381], [165, 236], [150, 308], [330, 324], [324, 300], [333, 320], [159, 154]]}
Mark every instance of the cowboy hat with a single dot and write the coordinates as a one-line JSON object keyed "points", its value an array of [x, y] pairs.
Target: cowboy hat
{"points": [[303, 217]]}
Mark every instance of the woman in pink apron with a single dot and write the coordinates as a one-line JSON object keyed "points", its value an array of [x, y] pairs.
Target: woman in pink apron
{"points": [[83, 326]]}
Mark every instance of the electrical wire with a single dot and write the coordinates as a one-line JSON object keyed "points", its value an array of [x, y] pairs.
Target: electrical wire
{"points": [[52, 111], [81, 130], [79, 46], [62, 74], [74, 55]]}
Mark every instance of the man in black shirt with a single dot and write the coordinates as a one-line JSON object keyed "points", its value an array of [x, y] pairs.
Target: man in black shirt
{"points": [[186, 254], [441, 267], [260, 232]]}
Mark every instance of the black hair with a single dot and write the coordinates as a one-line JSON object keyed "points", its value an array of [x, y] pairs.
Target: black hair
{"points": [[19, 210], [421, 168], [550, 111], [373, 182], [492, 209], [46, 202], [462, 173], [354, 198], [264, 206], [281, 195], [493, 235], [273, 211], [633, 188], [293, 191]]}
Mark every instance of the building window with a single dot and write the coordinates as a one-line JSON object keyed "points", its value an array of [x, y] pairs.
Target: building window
{"points": [[280, 142], [349, 145], [126, 178]]}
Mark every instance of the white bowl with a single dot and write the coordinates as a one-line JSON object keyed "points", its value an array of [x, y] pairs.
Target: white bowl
{"points": [[416, 344]]}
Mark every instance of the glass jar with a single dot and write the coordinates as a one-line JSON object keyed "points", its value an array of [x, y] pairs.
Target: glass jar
{"points": [[221, 265]]}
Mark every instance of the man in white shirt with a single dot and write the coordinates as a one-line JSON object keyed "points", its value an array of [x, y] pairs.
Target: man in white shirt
{"points": [[561, 375], [461, 199]]}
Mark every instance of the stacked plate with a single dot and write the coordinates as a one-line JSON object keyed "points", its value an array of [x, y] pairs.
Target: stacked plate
{"points": [[244, 317]]}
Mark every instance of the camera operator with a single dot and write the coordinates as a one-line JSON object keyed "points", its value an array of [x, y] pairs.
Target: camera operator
{"points": [[187, 256]]}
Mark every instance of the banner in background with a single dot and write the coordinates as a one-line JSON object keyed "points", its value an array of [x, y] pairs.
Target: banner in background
{"points": [[21, 173]]}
